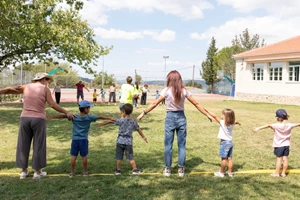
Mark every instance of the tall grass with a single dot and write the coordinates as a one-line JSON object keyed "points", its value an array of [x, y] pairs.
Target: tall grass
{"points": [[252, 151]]}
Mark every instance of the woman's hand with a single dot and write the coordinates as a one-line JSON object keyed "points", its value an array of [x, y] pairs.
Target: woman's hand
{"points": [[70, 115]]}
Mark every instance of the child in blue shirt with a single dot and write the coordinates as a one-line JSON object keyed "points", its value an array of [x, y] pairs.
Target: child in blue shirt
{"points": [[125, 140], [81, 126]]}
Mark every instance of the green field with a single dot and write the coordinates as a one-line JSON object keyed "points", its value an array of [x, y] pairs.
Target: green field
{"points": [[252, 151]]}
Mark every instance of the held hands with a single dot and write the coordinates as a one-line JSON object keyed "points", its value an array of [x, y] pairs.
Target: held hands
{"points": [[70, 115], [140, 116]]}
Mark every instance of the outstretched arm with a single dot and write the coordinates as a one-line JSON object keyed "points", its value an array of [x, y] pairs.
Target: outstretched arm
{"points": [[13, 90], [210, 116], [255, 130], [87, 89], [150, 107], [142, 135], [237, 123], [104, 123], [107, 118]]}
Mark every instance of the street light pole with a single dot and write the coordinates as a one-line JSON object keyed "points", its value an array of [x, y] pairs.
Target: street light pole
{"points": [[102, 73], [165, 57]]}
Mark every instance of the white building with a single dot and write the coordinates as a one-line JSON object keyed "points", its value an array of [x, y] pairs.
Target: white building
{"points": [[270, 73]]}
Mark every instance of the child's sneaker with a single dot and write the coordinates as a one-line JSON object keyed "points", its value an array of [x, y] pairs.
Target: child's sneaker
{"points": [[167, 172], [283, 175], [181, 172], [39, 175], [85, 174], [23, 174], [219, 174], [229, 174], [137, 171], [275, 175], [117, 172]]}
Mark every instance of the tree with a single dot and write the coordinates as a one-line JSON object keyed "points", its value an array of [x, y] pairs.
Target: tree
{"points": [[239, 44], [210, 66], [195, 84], [138, 78], [41, 31], [108, 79], [245, 42], [226, 61]]}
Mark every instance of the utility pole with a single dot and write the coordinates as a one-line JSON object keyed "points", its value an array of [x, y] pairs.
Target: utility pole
{"points": [[193, 75], [102, 85]]}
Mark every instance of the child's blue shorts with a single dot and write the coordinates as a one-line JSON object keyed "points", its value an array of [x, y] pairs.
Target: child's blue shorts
{"points": [[81, 146], [226, 147]]}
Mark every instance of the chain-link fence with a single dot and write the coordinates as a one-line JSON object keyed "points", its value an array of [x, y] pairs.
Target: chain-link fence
{"points": [[10, 77]]}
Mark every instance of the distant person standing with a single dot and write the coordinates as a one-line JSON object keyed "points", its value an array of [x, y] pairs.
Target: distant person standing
{"points": [[80, 87], [57, 91], [112, 93], [144, 94], [127, 92], [136, 94]]}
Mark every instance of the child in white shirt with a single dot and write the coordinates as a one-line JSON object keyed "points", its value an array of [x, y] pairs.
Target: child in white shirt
{"points": [[281, 142], [227, 123]]}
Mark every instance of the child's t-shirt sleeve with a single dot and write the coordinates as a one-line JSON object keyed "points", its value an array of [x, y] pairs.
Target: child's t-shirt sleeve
{"points": [[117, 122], [93, 118], [135, 125]]}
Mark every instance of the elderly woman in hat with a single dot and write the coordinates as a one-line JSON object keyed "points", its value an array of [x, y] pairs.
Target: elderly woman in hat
{"points": [[33, 123]]}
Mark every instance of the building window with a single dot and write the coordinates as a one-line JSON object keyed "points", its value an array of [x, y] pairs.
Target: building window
{"points": [[258, 72], [275, 69], [294, 71]]}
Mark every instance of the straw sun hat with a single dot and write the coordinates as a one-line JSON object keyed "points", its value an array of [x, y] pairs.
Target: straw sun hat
{"points": [[40, 76]]}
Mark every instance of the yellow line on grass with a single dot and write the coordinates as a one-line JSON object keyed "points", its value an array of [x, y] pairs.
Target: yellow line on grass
{"points": [[264, 171]]}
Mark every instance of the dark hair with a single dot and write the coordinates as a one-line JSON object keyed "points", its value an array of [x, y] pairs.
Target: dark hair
{"points": [[127, 108], [129, 79], [175, 82], [82, 109]]}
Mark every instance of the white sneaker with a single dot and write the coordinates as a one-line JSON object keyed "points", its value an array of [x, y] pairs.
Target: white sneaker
{"points": [[181, 173], [219, 174], [167, 172], [229, 174], [40, 175], [23, 175]]}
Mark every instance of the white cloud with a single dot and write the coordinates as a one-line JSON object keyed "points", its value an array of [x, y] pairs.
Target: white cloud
{"points": [[187, 10], [270, 28], [196, 36], [278, 7], [163, 36], [117, 34]]}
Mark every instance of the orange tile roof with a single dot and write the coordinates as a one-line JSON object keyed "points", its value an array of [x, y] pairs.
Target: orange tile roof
{"points": [[289, 46]]}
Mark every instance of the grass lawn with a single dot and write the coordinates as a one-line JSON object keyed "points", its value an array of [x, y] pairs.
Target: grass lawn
{"points": [[252, 151]]}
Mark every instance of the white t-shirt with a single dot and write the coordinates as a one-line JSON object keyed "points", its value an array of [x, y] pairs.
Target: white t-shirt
{"points": [[170, 103], [225, 132], [282, 134]]}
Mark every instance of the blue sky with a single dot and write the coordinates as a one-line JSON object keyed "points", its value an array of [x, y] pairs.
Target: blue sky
{"points": [[143, 31]]}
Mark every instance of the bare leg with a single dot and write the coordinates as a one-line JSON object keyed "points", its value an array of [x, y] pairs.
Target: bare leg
{"points": [[278, 165], [285, 164], [230, 164], [119, 164], [223, 165], [132, 163], [73, 162], [84, 163]]}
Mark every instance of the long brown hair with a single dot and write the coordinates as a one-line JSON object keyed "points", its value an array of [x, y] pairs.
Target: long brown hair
{"points": [[229, 116], [175, 82]]}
